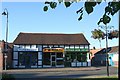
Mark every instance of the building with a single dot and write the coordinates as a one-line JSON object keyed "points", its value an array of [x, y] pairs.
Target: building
{"points": [[99, 58], [113, 56], [37, 50]]}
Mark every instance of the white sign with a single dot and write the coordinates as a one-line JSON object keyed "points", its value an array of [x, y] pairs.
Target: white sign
{"points": [[27, 49]]}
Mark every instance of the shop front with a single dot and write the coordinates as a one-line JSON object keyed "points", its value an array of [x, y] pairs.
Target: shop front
{"points": [[38, 50], [76, 57], [53, 57], [28, 59]]}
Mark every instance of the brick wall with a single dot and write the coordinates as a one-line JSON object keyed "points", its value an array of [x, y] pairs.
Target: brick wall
{"points": [[1, 58]]}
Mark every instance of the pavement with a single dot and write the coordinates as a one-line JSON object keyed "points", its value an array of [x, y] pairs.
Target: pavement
{"points": [[51, 69]]}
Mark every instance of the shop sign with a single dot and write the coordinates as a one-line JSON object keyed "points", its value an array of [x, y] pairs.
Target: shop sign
{"points": [[53, 50], [75, 49], [27, 49]]}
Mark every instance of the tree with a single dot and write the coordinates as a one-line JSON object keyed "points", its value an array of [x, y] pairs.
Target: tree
{"points": [[98, 34], [89, 5], [113, 34]]}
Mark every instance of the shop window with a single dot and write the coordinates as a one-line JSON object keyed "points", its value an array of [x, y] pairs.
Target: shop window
{"points": [[21, 59], [84, 57], [59, 55], [67, 62], [59, 62], [46, 59], [73, 57], [53, 53]]}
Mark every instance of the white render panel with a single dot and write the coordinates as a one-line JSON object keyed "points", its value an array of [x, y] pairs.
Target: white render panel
{"points": [[66, 47], [79, 64], [33, 46], [62, 46], [44, 45], [15, 55], [55, 45], [73, 64], [15, 64], [39, 62], [84, 63], [39, 55], [27, 46], [76, 46], [39, 47], [16, 47], [115, 57], [21, 66], [33, 66], [71, 46]]}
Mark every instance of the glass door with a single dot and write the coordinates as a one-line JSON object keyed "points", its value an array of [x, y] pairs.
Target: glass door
{"points": [[53, 60]]}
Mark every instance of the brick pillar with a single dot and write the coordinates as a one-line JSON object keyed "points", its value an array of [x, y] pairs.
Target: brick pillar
{"points": [[1, 58]]}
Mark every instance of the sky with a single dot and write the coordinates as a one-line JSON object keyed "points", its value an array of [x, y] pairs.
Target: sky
{"points": [[29, 17]]}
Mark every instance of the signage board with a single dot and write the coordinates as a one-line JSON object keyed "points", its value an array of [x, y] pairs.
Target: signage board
{"points": [[27, 49], [76, 49], [53, 50]]}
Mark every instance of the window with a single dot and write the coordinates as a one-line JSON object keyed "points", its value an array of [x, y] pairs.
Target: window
{"points": [[46, 59], [59, 55]]}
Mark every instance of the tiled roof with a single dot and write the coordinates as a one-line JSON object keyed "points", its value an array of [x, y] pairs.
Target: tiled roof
{"points": [[114, 49], [93, 51], [50, 38]]}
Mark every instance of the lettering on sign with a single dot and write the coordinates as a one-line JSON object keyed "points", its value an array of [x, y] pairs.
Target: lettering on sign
{"points": [[53, 50]]}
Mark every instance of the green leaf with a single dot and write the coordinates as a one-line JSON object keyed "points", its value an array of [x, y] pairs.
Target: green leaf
{"points": [[80, 17], [67, 4], [53, 5], [45, 8], [106, 19], [108, 9], [47, 2], [89, 9]]}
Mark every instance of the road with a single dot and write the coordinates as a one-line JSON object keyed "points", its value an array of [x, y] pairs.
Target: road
{"points": [[87, 72]]}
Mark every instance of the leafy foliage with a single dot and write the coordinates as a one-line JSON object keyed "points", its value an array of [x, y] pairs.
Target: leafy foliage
{"points": [[112, 8], [113, 34], [98, 34]]}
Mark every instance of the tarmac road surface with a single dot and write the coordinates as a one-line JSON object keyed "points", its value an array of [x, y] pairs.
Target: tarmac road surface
{"points": [[58, 73]]}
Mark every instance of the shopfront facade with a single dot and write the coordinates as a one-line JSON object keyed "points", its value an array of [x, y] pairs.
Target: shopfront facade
{"points": [[50, 50]]}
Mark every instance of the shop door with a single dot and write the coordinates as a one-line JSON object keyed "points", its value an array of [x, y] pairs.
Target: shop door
{"points": [[28, 61], [53, 60]]}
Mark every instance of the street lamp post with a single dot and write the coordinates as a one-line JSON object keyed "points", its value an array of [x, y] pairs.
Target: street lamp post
{"points": [[5, 13], [107, 56]]}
